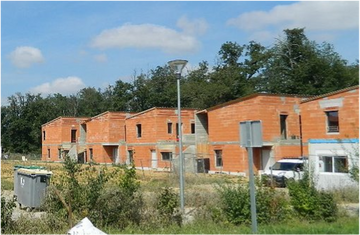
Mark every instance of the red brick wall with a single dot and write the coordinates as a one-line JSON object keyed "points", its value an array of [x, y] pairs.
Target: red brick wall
{"points": [[224, 127], [314, 118], [155, 132], [58, 132]]}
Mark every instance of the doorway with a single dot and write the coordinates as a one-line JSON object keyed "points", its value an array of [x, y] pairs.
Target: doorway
{"points": [[153, 159], [115, 154]]}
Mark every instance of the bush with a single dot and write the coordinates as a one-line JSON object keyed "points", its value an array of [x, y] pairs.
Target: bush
{"points": [[82, 193], [119, 205], [7, 208], [168, 206], [270, 205], [310, 203]]}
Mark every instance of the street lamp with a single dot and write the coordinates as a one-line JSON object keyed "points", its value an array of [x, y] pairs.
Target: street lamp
{"points": [[177, 66]]}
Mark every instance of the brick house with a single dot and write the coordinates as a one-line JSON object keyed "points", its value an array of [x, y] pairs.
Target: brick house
{"points": [[330, 126], [152, 136], [100, 138], [217, 132], [59, 137], [104, 139]]}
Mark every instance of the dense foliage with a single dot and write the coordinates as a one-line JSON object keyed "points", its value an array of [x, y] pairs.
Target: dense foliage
{"points": [[7, 208], [310, 203], [75, 197], [294, 65], [271, 206]]}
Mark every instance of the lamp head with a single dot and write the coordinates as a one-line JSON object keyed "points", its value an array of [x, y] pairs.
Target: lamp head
{"points": [[177, 65]]}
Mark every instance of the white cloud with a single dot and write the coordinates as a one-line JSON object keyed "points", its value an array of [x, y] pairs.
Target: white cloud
{"points": [[24, 57], [65, 86], [101, 58], [146, 36], [313, 15], [195, 27]]}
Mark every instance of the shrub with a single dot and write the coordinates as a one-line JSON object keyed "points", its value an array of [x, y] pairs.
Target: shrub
{"points": [[310, 203], [270, 205], [167, 206], [81, 193], [119, 205], [7, 208]]}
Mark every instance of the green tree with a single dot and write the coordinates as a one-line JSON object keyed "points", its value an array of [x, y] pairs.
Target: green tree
{"points": [[118, 97], [21, 122], [90, 102], [140, 100], [300, 66]]}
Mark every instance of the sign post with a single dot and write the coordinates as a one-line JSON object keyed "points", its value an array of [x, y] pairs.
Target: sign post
{"points": [[251, 136]]}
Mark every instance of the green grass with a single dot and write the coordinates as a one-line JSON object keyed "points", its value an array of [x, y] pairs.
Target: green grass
{"points": [[342, 226], [7, 184]]}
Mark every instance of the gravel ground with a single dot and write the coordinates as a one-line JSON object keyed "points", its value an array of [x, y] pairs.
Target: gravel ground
{"points": [[20, 211]]}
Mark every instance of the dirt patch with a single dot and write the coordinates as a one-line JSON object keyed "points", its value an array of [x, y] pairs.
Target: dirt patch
{"points": [[19, 212]]}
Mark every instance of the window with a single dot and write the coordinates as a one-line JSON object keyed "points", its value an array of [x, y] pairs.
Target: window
{"points": [[192, 128], [169, 128], [59, 153], [73, 136], [332, 121], [337, 164], [48, 153], [130, 156], [166, 156], [177, 129], [44, 135], [218, 158], [138, 130], [283, 127], [91, 154]]}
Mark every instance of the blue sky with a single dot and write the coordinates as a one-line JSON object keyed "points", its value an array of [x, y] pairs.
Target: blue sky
{"points": [[62, 47]]}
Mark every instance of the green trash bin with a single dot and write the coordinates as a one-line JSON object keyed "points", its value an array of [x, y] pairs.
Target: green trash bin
{"points": [[32, 186], [16, 183]]}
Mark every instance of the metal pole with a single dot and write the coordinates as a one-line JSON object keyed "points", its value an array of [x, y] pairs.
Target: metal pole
{"points": [[252, 191], [181, 167], [251, 178]]}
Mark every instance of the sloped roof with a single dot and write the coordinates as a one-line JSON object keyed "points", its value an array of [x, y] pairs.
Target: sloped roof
{"points": [[154, 108], [108, 112], [250, 97], [62, 117], [331, 93]]}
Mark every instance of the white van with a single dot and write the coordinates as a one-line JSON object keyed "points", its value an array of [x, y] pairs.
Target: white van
{"points": [[284, 170]]}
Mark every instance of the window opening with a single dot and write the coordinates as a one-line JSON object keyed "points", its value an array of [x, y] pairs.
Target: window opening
{"points": [[332, 121], [73, 136], [169, 128], [283, 126], [138, 130], [166, 156], [192, 128], [218, 158]]}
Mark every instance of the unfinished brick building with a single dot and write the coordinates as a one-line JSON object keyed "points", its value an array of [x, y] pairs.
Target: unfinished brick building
{"points": [[218, 132], [331, 132], [152, 136], [292, 127], [60, 137]]}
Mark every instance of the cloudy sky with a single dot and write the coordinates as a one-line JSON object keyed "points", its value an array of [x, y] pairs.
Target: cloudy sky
{"points": [[61, 47]]}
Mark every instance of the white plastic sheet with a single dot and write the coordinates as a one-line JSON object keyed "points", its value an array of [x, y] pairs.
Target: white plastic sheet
{"points": [[85, 227]]}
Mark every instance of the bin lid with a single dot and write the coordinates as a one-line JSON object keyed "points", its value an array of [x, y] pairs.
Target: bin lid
{"points": [[28, 167], [34, 171]]}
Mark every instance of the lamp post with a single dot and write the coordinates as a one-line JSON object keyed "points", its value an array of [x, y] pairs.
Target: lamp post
{"points": [[177, 66]]}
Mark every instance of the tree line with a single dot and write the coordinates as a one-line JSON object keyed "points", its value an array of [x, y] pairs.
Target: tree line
{"points": [[293, 65]]}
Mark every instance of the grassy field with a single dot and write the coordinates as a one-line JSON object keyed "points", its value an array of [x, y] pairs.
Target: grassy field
{"points": [[199, 190], [342, 226]]}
